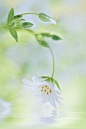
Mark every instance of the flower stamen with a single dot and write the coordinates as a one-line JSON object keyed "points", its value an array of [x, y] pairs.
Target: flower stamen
{"points": [[47, 93], [42, 87], [50, 91], [42, 90], [45, 90], [48, 88]]}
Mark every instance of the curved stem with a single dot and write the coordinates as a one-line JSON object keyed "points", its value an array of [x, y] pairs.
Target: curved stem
{"points": [[53, 61], [29, 13]]}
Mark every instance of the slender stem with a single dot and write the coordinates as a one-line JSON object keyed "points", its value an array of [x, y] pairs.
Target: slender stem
{"points": [[29, 13], [53, 61]]}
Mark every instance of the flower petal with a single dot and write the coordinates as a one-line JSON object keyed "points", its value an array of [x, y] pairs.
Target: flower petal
{"points": [[43, 98], [59, 97], [36, 80], [37, 93], [33, 88], [50, 84], [27, 82], [60, 103], [57, 92], [51, 100]]}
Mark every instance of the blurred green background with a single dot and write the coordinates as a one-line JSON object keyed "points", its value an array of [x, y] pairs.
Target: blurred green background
{"points": [[18, 109]]}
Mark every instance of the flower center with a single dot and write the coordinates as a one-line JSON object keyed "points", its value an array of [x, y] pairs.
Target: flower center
{"points": [[46, 89]]}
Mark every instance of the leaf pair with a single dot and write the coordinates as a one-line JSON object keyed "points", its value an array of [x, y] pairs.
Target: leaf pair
{"points": [[40, 37], [13, 20], [51, 79], [41, 41]]}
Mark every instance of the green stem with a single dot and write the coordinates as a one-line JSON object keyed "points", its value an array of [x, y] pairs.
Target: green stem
{"points": [[53, 61], [29, 13]]}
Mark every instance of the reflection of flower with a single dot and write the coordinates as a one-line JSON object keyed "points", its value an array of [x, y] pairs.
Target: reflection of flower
{"points": [[53, 118], [45, 90]]}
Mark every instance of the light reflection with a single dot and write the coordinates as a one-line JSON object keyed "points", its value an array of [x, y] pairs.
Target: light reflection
{"points": [[53, 118], [45, 114]]}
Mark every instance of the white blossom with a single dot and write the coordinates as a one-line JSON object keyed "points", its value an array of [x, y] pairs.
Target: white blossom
{"points": [[45, 90]]}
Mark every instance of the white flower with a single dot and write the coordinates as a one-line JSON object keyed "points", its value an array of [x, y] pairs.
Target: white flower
{"points": [[45, 90]]}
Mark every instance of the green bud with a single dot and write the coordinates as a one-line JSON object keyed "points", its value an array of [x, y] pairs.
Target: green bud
{"points": [[26, 24], [17, 16]]}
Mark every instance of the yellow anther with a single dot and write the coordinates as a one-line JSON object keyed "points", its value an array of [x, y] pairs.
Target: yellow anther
{"points": [[42, 90], [50, 91], [45, 90], [47, 93], [46, 86], [42, 87]]}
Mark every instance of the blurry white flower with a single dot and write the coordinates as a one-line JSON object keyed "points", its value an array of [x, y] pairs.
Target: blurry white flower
{"points": [[5, 108], [45, 90]]}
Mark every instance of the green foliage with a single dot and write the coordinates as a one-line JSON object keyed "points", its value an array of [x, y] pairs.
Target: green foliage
{"points": [[16, 22], [56, 84], [43, 43], [13, 33], [54, 37], [17, 16], [52, 80], [27, 24], [44, 17], [10, 16], [46, 34]]}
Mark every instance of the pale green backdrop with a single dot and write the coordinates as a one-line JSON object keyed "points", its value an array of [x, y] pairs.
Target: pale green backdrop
{"points": [[18, 108]]}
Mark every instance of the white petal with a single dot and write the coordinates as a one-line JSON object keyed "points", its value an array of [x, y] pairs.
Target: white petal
{"points": [[57, 92], [51, 100], [27, 82], [36, 80], [33, 88], [43, 97], [59, 97], [60, 103], [50, 84], [37, 93]]}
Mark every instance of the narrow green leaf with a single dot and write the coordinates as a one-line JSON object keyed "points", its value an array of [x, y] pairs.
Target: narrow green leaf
{"points": [[55, 37], [43, 43], [27, 24], [10, 15], [56, 84], [13, 33]]}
